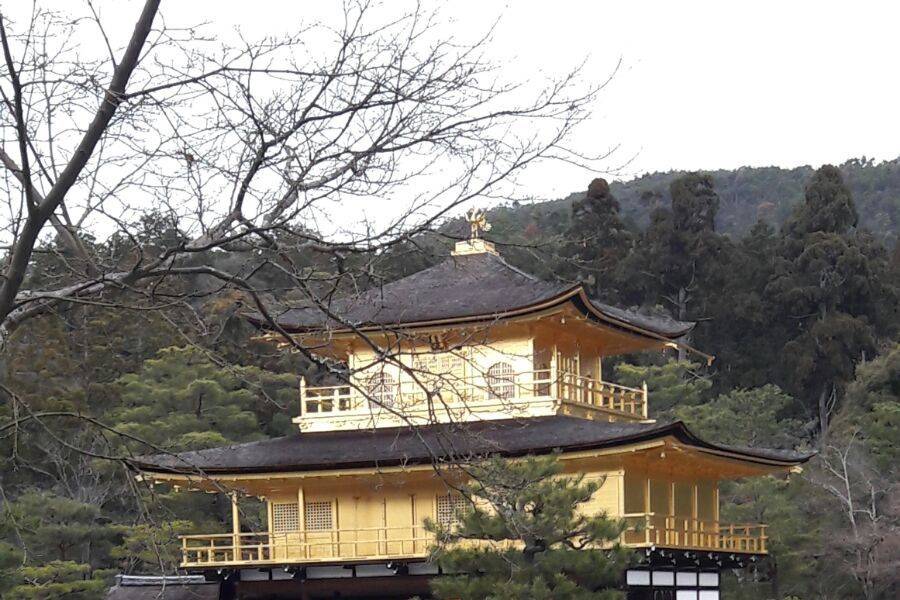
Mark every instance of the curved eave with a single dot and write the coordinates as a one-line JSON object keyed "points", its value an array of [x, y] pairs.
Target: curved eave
{"points": [[677, 431], [576, 295]]}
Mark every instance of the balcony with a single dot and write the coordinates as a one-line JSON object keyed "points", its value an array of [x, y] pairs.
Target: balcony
{"points": [[306, 547], [530, 393], [413, 542], [645, 530]]}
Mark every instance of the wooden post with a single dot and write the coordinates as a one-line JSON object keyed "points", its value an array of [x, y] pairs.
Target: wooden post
{"points": [[270, 525], [235, 527], [302, 395], [554, 373], [646, 409], [301, 523], [336, 525], [671, 510], [414, 519], [384, 522], [648, 520], [695, 511], [716, 524]]}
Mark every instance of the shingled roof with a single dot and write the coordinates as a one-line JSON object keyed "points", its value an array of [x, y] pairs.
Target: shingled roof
{"points": [[421, 445], [163, 587], [463, 288]]}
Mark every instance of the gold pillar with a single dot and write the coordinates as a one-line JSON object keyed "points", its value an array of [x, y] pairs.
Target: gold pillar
{"points": [[554, 372], [647, 519], [301, 522], [235, 527]]}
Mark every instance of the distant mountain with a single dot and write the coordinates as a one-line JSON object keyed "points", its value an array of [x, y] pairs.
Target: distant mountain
{"points": [[747, 195]]}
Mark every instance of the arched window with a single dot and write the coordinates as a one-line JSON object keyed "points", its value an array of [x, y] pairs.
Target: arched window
{"points": [[382, 390], [501, 382]]}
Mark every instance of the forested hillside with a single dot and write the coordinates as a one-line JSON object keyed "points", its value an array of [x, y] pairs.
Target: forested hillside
{"points": [[751, 194], [800, 311]]}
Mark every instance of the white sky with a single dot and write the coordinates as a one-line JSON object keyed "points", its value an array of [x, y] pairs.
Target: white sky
{"points": [[703, 85]]}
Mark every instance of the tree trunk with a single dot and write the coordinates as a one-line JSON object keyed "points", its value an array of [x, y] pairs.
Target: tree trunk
{"points": [[823, 411], [681, 306]]}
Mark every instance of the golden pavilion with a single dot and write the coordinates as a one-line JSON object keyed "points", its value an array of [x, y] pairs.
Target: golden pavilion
{"points": [[469, 358]]}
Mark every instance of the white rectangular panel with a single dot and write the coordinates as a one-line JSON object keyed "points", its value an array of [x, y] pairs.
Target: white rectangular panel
{"points": [[633, 577], [663, 578]]}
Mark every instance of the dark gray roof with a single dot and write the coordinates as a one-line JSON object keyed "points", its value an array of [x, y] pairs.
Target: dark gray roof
{"points": [[471, 286], [421, 445], [133, 587]]}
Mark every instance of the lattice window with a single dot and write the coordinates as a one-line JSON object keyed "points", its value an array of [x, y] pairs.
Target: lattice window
{"points": [[445, 363], [438, 373], [448, 508], [382, 389], [285, 517], [501, 381], [319, 515]]}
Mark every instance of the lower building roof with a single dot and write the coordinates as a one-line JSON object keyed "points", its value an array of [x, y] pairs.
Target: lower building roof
{"points": [[163, 587], [402, 446]]}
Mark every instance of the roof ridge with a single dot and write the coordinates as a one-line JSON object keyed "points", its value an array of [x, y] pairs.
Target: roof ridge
{"points": [[517, 270]]}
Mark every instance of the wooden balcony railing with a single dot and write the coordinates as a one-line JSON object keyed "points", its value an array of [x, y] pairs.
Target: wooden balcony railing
{"points": [[394, 543], [330, 545], [473, 391], [666, 531]]}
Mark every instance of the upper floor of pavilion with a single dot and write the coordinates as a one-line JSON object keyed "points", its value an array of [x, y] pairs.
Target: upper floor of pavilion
{"points": [[472, 338]]}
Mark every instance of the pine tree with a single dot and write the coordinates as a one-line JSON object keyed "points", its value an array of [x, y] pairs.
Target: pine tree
{"points": [[741, 333], [681, 262], [533, 538], [182, 400], [675, 383], [830, 291], [597, 242]]}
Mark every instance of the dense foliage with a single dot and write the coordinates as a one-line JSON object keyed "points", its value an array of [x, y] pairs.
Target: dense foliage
{"points": [[799, 308], [526, 536]]}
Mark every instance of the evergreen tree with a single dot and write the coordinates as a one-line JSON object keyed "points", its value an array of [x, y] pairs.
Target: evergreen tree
{"points": [[58, 580], [532, 539], [182, 400], [64, 541], [727, 418], [681, 262], [872, 410], [597, 242], [830, 292], [741, 333], [757, 418], [673, 384]]}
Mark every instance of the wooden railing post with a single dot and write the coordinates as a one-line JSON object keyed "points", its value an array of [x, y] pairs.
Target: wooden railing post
{"points": [[302, 395], [647, 526], [554, 375], [645, 410], [235, 528]]}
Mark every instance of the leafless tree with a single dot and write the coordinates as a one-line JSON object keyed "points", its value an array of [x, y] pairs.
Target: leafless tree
{"points": [[259, 146], [867, 501], [136, 161]]}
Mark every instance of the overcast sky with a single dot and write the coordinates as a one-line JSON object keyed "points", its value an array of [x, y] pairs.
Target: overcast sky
{"points": [[703, 85]]}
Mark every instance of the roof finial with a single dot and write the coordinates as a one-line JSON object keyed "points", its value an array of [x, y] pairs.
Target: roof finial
{"points": [[478, 222], [478, 225]]}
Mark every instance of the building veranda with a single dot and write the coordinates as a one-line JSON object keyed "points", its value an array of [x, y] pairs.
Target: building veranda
{"points": [[466, 359]]}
